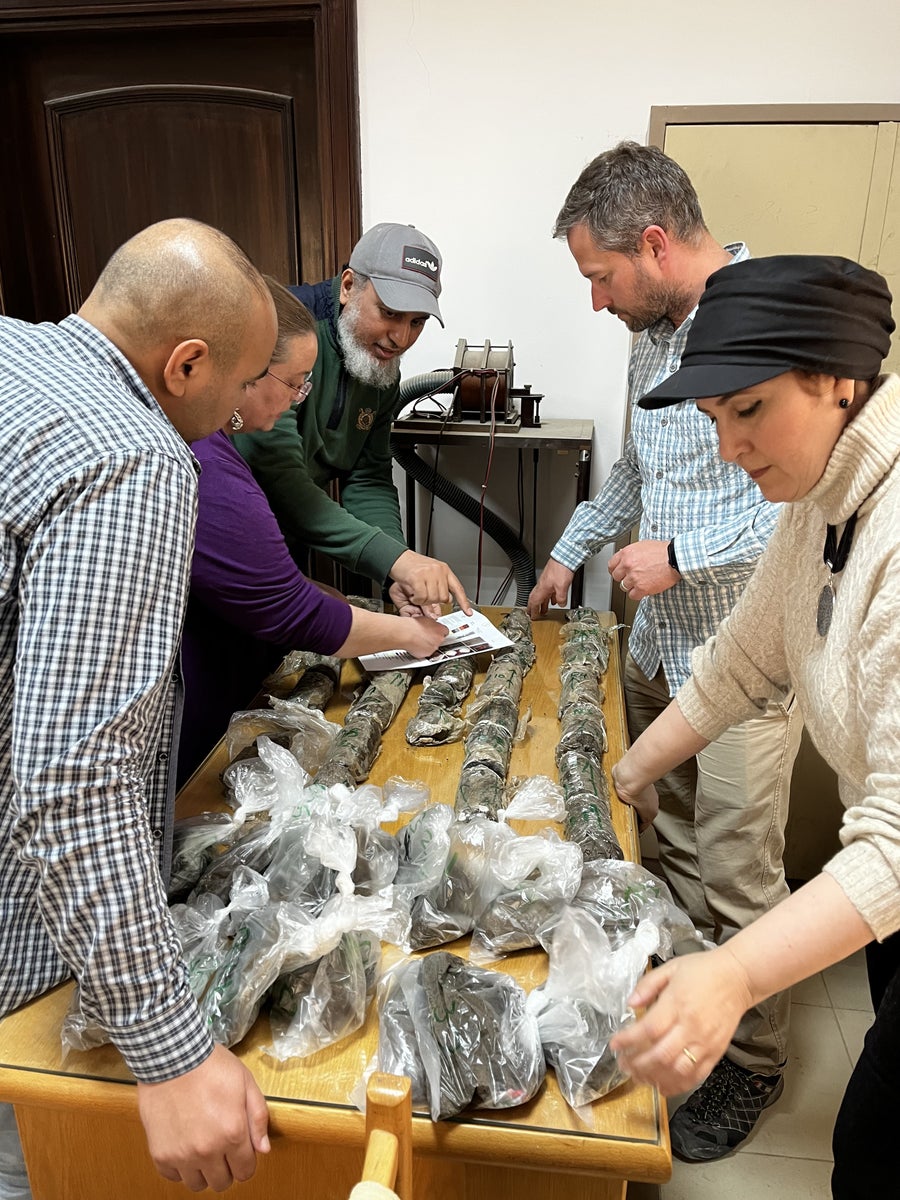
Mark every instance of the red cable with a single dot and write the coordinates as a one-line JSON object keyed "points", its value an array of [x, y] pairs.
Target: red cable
{"points": [[487, 475]]}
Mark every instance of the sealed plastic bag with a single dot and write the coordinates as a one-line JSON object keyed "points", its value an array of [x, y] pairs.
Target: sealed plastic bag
{"points": [[468, 884], [622, 894], [358, 743], [461, 1033], [306, 676], [296, 874], [585, 1001], [584, 639], [324, 1001], [538, 875], [588, 814], [423, 847]]}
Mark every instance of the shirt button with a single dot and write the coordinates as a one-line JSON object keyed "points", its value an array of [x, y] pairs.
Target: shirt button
{"points": [[162, 757], [659, 474], [175, 677], [664, 421], [157, 833], [673, 367], [654, 527]]}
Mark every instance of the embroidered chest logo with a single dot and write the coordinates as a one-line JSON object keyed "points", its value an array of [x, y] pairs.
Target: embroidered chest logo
{"points": [[365, 418]]}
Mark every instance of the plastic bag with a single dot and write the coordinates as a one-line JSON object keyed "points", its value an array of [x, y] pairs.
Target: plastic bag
{"points": [[377, 857], [297, 875], [423, 847], [403, 796], [314, 735], [319, 675], [585, 1001], [274, 940], [468, 884], [461, 1033], [196, 842], [253, 846], [481, 792], [359, 741], [588, 813], [622, 894], [320, 1003], [272, 782], [536, 798], [537, 875], [584, 639]]}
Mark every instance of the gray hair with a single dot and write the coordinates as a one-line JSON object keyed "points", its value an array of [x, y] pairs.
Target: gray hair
{"points": [[626, 189], [359, 280]]}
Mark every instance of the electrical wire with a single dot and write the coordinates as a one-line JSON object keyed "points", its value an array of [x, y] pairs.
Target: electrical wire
{"points": [[484, 485]]}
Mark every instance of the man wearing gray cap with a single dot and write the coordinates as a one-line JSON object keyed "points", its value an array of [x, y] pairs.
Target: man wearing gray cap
{"points": [[368, 316]]}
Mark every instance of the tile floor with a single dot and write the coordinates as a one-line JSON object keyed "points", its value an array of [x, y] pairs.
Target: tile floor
{"points": [[789, 1153]]}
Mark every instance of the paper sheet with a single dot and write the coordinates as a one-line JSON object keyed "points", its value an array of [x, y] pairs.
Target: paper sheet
{"points": [[466, 635]]}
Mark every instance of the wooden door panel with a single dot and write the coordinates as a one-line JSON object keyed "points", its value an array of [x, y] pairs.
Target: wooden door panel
{"points": [[217, 154]]}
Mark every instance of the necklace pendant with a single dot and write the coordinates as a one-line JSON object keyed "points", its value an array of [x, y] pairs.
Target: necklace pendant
{"points": [[825, 609]]}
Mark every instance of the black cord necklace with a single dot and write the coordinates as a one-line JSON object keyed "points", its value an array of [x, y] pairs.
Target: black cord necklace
{"points": [[835, 556]]}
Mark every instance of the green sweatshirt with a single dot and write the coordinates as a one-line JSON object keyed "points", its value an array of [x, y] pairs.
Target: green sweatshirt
{"points": [[341, 431]]}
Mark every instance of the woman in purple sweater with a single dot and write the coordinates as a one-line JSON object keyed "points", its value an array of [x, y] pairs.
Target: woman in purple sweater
{"points": [[249, 604]]}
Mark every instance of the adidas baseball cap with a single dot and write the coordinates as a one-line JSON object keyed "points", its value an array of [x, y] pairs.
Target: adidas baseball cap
{"points": [[404, 266]]}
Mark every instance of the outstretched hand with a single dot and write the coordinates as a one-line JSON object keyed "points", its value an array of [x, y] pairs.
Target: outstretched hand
{"points": [[205, 1128], [427, 583], [552, 588], [694, 1003]]}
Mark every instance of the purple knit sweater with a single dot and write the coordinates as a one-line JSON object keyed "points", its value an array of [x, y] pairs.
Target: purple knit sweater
{"points": [[249, 603]]}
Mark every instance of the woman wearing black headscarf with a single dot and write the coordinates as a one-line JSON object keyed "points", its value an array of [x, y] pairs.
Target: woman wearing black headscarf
{"points": [[784, 356]]}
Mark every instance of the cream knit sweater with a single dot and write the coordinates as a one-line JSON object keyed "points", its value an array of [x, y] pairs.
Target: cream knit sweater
{"points": [[847, 683]]}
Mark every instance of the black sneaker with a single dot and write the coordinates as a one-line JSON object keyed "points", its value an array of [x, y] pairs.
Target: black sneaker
{"points": [[723, 1110]]}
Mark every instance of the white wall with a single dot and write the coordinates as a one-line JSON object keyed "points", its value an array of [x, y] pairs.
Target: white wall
{"points": [[477, 116]]}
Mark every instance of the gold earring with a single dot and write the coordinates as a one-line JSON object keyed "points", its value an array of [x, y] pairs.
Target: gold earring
{"points": [[237, 421]]}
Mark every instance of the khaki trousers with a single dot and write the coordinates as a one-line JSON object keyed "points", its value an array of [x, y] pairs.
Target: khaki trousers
{"points": [[720, 830]]}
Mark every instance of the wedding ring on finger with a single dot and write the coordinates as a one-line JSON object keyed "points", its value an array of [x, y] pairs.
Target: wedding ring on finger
{"points": [[688, 1055], [623, 585]]}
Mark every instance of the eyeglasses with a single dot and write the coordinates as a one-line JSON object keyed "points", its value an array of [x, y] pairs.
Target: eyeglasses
{"points": [[301, 392]]}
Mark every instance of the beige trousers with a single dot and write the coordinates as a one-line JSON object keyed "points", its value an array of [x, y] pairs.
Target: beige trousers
{"points": [[720, 830]]}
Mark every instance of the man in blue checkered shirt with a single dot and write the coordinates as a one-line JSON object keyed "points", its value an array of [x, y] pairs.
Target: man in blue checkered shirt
{"points": [[99, 496], [634, 226]]}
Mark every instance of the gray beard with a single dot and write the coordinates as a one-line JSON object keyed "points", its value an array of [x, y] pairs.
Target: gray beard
{"points": [[358, 361]]}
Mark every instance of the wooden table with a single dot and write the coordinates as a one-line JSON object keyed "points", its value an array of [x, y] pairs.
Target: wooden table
{"points": [[80, 1128]]}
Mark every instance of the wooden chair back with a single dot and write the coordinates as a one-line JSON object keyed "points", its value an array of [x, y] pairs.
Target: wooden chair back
{"points": [[388, 1159]]}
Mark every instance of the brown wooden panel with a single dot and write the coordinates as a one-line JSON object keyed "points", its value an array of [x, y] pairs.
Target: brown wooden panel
{"points": [[166, 147], [261, 140]]}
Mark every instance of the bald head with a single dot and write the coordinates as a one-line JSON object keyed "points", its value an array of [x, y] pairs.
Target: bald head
{"points": [[185, 305], [176, 280]]}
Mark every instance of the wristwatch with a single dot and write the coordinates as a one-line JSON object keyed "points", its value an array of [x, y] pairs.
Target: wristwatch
{"points": [[673, 561]]}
